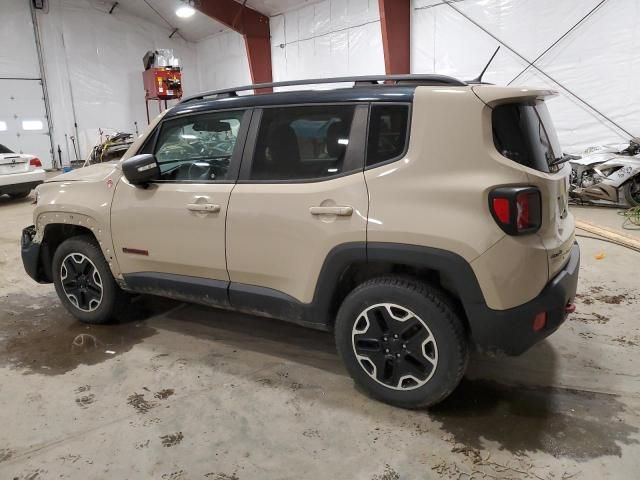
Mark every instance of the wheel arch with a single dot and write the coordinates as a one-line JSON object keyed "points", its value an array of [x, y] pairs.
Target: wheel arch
{"points": [[55, 228], [348, 265]]}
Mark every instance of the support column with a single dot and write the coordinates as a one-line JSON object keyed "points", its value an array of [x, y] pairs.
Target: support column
{"points": [[253, 26], [395, 23]]}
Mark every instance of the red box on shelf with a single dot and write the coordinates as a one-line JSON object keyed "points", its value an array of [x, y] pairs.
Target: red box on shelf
{"points": [[162, 83]]}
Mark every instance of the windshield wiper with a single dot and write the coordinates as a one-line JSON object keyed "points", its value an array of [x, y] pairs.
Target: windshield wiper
{"points": [[563, 159]]}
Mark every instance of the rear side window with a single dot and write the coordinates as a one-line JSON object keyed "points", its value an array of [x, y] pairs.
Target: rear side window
{"points": [[525, 134], [4, 149], [387, 133], [297, 143]]}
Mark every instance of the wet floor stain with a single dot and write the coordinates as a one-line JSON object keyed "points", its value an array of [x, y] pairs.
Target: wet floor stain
{"points": [[388, 474], [38, 335], [172, 439], [222, 476], [5, 454], [164, 393], [177, 475], [562, 423], [139, 403]]}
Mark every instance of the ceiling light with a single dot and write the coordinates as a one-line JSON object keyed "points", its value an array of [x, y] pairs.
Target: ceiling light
{"points": [[185, 11]]}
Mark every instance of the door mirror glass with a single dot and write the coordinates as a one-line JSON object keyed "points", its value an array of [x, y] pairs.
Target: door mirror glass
{"points": [[141, 169]]}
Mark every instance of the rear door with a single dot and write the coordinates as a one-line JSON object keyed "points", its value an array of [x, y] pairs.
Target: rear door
{"points": [[301, 193]]}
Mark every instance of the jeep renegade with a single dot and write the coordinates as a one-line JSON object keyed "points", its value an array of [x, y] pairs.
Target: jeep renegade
{"points": [[415, 218]]}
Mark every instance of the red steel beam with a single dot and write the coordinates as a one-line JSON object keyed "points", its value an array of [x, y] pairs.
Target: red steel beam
{"points": [[253, 26], [395, 22]]}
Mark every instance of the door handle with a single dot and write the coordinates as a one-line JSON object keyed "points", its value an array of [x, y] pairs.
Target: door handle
{"points": [[342, 211], [203, 207]]}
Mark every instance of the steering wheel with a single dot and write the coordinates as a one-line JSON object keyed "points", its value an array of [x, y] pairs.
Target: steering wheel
{"points": [[199, 171]]}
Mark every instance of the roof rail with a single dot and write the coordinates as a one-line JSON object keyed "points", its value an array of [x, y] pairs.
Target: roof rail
{"points": [[359, 81]]}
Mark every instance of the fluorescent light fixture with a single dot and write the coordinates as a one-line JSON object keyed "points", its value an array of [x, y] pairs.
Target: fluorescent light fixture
{"points": [[3, 126], [343, 141], [185, 11], [32, 125], [188, 136]]}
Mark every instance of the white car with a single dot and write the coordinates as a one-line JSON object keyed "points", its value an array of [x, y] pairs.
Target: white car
{"points": [[19, 173]]}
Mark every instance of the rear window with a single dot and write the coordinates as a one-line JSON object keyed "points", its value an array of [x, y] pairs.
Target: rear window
{"points": [[4, 149], [525, 134]]}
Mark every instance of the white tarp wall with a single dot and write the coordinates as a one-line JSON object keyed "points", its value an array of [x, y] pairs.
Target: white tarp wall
{"points": [[598, 61], [327, 38], [21, 94], [93, 64], [222, 61]]}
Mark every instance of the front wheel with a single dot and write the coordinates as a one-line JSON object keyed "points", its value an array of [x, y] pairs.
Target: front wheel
{"points": [[402, 341], [631, 191], [84, 282]]}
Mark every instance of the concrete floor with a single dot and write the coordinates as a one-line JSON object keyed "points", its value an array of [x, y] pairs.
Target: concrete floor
{"points": [[185, 392]]}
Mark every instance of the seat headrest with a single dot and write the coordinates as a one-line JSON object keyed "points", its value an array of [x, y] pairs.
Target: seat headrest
{"points": [[336, 133]]}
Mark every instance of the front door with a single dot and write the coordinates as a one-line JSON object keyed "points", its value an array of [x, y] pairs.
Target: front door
{"points": [[300, 195], [171, 235]]}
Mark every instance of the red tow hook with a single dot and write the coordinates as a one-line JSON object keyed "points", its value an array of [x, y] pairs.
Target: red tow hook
{"points": [[570, 308]]}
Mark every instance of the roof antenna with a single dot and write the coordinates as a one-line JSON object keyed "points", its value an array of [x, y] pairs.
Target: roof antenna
{"points": [[478, 79]]}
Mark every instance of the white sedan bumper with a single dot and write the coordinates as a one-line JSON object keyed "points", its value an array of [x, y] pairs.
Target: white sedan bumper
{"points": [[19, 182]]}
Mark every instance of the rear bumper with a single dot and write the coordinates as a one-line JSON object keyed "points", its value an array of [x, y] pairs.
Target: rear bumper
{"points": [[20, 182], [511, 331]]}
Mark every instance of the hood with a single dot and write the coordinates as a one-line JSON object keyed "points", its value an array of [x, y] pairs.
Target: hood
{"points": [[92, 173], [596, 158]]}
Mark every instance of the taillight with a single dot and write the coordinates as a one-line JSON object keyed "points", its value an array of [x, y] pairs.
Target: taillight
{"points": [[516, 210], [35, 162]]}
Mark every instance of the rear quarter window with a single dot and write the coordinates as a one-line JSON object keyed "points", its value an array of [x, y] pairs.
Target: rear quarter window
{"points": [[388, 129], [524, 133]]}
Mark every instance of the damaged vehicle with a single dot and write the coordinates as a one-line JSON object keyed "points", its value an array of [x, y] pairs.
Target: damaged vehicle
{"points": [[610, 173], [416, 217]]}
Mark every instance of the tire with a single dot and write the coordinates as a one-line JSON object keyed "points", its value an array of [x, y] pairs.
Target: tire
{"points": [[84, 282], [631, 191], [433, 348], [22, 194]]}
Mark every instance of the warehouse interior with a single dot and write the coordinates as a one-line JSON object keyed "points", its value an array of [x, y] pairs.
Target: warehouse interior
{"points": [[176, 390]]}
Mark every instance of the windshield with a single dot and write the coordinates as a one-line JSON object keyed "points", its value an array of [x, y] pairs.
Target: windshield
{"points": [[4, 149], [525, 134]]}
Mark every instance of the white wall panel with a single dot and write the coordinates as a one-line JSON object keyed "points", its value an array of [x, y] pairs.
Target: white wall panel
{"points": [[18, 54], [95, 60], [223, 61], [327, 38], [598, 60]]}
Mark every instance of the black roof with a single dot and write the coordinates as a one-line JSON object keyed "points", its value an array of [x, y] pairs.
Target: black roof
{"points": [[378, 88], [385, 93]]}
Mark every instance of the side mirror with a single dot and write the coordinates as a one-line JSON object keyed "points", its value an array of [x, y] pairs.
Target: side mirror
{"points": [[140, 170]]}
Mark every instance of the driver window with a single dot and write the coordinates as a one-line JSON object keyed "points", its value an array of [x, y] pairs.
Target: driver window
{"points": [[198, 147]]}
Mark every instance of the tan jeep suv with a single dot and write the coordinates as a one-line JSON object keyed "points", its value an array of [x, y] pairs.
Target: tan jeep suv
{"points": [[416, 217]]}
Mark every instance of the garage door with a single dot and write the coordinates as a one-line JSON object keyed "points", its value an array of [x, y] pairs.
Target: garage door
{"points": [[23, 119]]}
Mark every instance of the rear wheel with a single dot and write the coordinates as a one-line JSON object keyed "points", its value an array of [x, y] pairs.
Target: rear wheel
{"points": [[631, 191], [22, 194], [84, 282], [401, 341]]}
